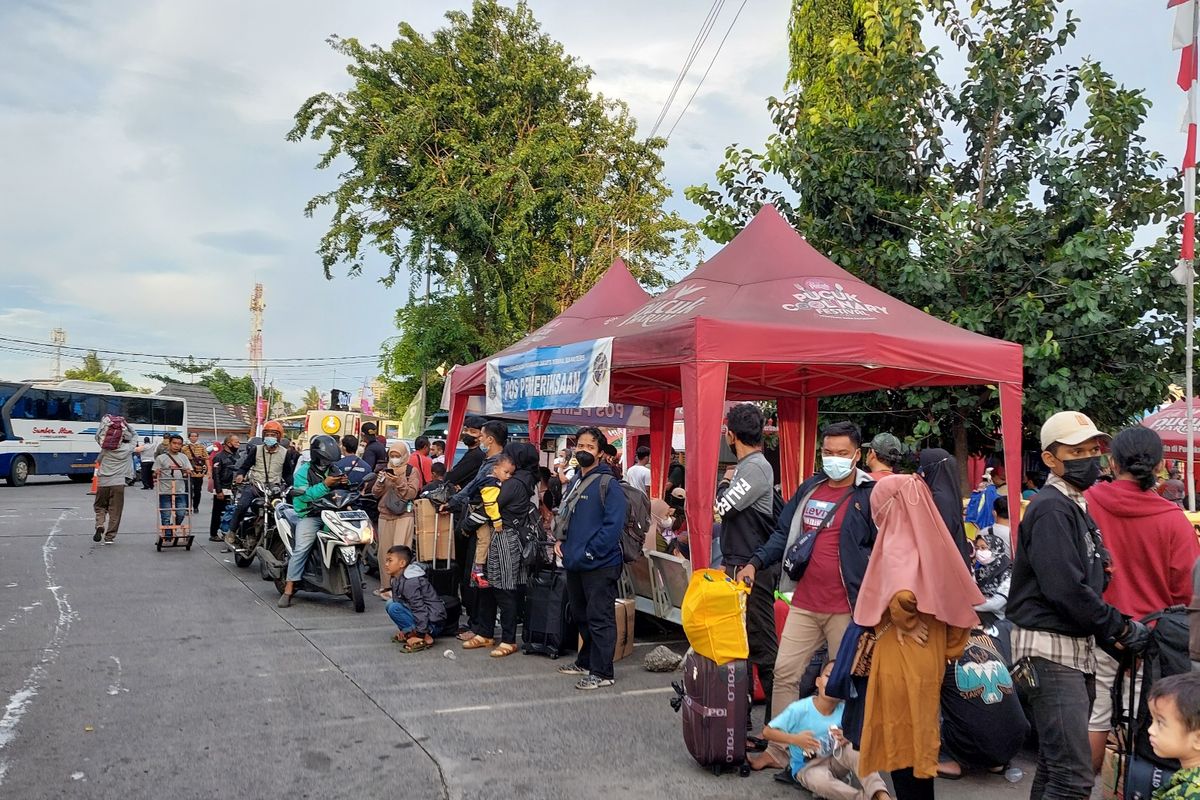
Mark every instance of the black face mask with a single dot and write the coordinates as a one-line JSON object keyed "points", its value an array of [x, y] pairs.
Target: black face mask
{"points": [[1082, 472], [584, 458], [468, 440]]}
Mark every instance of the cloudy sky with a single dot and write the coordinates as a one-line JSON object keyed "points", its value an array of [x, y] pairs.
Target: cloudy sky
{"points": [[146, 183]]}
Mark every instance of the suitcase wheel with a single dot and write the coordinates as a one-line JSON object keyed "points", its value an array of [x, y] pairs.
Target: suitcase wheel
{"points": [[554, 656], [744, 770], [716, 769]]}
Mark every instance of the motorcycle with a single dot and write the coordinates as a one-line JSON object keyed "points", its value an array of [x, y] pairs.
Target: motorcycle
{"points": [[259, 520], [335, 562]]}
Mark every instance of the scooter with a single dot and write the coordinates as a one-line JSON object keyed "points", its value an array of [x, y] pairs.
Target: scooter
{"points": [[335, 562], [259, 520]]}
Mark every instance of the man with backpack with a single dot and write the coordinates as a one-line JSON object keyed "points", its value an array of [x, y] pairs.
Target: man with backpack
{"points": [[1057, 607], [748, 510], [117, 441], [590, 527]]}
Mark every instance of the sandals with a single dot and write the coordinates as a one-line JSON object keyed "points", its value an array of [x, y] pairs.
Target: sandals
{"points": [[465, 636], [416, 645], [503, 650], [476, 642]]}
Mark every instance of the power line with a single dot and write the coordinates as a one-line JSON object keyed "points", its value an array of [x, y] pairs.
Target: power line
{"points": [[341, 363], [333, 360], [710, 66], [697, 45]]}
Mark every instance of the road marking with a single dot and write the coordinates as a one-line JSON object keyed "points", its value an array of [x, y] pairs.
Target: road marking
{"points": [[18, 703], [581, 696], [116, 687]]}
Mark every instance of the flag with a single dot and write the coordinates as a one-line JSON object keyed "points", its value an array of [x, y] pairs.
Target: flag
{"points": [[414, 417], [320, 402], [1181, 31], [1183, 38]]}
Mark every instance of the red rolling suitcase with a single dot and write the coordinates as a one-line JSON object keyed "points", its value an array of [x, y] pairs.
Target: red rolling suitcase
{"points": [[713, 700]]}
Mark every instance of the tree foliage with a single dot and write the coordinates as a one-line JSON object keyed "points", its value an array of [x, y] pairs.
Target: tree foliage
{"points": [[94, 369], [1007, 202], [480, 157], [312, 398]]}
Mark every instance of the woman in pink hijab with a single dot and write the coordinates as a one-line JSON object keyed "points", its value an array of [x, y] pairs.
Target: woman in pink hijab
{"points": [[919, 597]]}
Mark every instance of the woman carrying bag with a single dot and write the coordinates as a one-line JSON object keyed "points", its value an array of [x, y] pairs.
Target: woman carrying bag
{"points": [[919, 599], [396, 486]]}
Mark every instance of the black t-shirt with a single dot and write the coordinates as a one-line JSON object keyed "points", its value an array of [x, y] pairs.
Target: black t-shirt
{"points": [[675, 477], [982, 721]]}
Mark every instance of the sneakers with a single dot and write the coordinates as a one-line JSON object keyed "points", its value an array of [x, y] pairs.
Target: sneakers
{"points": [[98, 534], [572, 669], [593, 682]]}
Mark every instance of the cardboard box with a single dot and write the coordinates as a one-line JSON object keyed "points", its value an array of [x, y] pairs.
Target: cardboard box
{"points": [[435, 532], [626, 616]]}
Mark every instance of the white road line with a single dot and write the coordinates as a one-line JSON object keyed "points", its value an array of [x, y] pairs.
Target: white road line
{"points": [[575, 698], [18, 703], [116, 688]]}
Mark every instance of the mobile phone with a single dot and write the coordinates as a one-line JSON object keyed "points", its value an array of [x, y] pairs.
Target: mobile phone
{"points": [[1024, 673]]}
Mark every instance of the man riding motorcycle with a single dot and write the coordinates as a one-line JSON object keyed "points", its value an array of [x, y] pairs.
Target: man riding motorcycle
{"points": [[266, 464], [313, 481]]}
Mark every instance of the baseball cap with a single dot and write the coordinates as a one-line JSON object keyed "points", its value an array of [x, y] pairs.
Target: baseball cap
{"points": [[885, 444], [369, 427], [1069, 427]]}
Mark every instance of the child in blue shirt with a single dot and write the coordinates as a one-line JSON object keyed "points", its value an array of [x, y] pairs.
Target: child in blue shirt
{"points": [[821, 760]]}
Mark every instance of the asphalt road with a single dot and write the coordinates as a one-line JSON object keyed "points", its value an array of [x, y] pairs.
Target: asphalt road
{"points": [[128, 673]]}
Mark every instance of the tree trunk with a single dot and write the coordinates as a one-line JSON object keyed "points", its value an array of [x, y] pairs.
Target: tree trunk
{"points": [[961, 455]]}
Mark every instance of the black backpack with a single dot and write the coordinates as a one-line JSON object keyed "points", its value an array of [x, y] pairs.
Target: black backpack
{"points": [[637, 519], [1165, 655]]}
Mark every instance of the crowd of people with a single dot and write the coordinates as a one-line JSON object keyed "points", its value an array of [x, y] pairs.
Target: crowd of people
{"points": [[975, 629]]}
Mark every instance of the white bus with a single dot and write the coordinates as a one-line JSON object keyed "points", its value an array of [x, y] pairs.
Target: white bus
{"points": [[49, 428]]}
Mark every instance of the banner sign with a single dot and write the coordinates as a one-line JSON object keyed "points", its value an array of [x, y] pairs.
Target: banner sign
{"points": [[570, 376]]}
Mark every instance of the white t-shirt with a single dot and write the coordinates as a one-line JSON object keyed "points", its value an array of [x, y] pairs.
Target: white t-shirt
{"points": [[639, 476]]}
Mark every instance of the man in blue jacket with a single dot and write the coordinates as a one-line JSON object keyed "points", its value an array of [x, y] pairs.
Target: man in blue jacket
{"points": [[830, 511], [591, 519]]}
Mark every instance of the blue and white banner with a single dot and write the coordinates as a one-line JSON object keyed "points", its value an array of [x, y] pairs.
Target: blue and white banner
{"points": [[571, 376]]}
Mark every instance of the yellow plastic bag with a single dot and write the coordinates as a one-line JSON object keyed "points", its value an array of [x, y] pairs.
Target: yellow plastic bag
{"points": [[714, 616]]}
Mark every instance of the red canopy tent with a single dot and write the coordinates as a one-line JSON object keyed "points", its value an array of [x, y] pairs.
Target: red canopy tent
{"points": [[1171, 426], [769, 316], [614, 295]]}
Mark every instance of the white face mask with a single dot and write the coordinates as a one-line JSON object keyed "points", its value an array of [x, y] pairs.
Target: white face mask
{"points": [[984, 557], [836, 467], [667, 523], [396, 462]]}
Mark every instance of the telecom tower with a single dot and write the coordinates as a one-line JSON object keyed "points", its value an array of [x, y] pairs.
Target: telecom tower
{"points": [[256, 353], [58, 337]]}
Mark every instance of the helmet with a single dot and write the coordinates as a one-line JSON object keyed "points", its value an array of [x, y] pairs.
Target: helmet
{"points": [[324, 450], [273, 425]]}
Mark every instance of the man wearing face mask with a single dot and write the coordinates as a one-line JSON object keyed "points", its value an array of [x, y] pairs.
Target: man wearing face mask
{"points": [[466, 468], [374, 449], [1057, 607], [827, 533], [267, 464]]}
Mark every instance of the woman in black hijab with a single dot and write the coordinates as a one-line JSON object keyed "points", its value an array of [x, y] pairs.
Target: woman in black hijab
{"points": [[940, 471]]}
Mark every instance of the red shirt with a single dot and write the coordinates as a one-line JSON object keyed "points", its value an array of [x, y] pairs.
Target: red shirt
{"points": [[1153, 547], [821, 589], [423, 464]]}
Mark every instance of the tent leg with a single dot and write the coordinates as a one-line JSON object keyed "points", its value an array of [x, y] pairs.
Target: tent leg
{"points": [[791, 443], [703, 409], [1010, 432], [539, 421], [458, 413], [662, 427], [808, 440]]}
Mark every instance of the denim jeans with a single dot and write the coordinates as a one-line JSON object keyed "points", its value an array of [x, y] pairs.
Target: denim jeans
{"points": [[593, 595], [1061, 706], [165, 504], [403, 617], [304, 537]]}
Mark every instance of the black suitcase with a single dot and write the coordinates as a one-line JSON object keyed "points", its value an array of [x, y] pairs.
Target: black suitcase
{"points": [[548, 628], [714, 701], [443, 579], [453, 612]]}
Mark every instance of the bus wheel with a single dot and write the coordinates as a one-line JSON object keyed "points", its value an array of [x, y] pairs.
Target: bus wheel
{"points": [[19, 472], [77, 478]]}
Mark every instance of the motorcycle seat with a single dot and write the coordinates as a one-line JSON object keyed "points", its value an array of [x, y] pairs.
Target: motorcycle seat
{"points": [[290, 515]]}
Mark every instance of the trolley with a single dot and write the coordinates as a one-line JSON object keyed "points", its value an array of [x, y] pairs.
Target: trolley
{"points": [[179, 513]]}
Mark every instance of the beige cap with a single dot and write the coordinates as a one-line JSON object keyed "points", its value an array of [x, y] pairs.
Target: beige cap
{"points": [[1069, 427]]}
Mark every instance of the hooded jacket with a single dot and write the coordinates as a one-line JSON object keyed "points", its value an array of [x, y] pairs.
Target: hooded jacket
{"points": [[857, 534], [593, 535], [414, 590], [1153, 547]]}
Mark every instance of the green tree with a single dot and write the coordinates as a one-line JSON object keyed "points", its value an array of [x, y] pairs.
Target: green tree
{"points": [[312, 397], [228, 389], [191, 368], [93, 369], [480, 157], [1024, 232]]}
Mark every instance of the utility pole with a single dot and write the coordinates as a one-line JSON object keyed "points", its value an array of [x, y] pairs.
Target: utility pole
{"points": [[256, 353], [58, 337]]}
